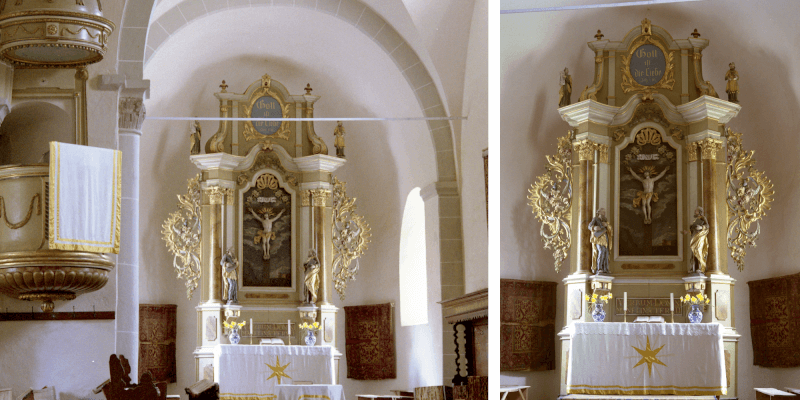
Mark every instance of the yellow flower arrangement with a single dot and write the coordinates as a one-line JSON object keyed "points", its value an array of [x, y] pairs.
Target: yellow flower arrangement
{"points": [[698, 299], [595, 299], [234, 324], [309, 327]]}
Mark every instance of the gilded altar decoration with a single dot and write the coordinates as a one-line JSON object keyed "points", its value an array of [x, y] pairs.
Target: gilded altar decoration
{"points": [[564, 88], [318, 146], [266, 103], [350, 237], [230, 277], [194, 137], [699, 244], [551, 199], [749, 196], [732, 86], [338, 142], [601, 238], [648, 65], [267, 234], [181, 232], [649, 356]]}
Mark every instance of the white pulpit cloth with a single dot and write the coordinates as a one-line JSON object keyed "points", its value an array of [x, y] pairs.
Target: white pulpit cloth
{"points": [[300, 392], [630, 359], [251, 372], [85, 198]]}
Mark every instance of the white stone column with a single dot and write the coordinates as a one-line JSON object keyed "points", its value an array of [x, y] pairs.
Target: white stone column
{"points": [[131, 117]]}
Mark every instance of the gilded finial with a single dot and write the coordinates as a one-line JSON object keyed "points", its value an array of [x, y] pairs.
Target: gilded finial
{"points": [[695, 34], [599, 35], [224, 87], [647, 28], [308, 88]]}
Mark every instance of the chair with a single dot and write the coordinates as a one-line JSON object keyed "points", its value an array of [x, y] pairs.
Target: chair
{"points": [[203, 390]]}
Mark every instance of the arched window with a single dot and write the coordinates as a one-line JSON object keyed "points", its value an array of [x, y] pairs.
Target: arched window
{"points": [[413, 267]]}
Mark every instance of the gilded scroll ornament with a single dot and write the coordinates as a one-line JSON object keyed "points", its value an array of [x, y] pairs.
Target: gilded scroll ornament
{"points": [[350, 237], [318, 145], [648, 135], [182, 232], [704, 88], [749, 196], [36, 200], [551, 199]]}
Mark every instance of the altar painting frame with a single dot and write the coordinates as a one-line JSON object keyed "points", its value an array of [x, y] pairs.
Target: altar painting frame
{"points": [[680, 183], [284, 185]]}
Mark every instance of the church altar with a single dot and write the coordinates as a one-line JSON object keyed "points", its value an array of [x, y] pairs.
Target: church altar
{"points": [[251, 371], [299, 392], [643, 358]]}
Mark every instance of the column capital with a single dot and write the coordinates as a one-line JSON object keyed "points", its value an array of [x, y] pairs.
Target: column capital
{"points": [[131, 113]]}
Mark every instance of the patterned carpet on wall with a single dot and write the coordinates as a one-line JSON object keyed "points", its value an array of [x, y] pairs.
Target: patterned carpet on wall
{"points": [[775, 321], [369, 342], [527, 325], [157, 332]]}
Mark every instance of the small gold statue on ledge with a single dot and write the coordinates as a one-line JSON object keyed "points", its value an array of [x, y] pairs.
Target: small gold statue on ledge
{"points": [[338, 141], [230, 277], [195, 138], [565, 89], [732, 87], [601, 240], [699, 243]]}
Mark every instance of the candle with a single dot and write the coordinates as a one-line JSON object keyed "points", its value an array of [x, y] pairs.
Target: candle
{"points": [[625, 303], [251, 327], [289, 324], [671, 302]]}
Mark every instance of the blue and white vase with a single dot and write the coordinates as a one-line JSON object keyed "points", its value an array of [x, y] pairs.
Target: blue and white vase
{"points": [[696, 314], [311, 339], [598, 314], [234, 336]]}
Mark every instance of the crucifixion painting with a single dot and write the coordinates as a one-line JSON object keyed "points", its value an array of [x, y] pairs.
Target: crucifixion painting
{"points": [[647, 195]]}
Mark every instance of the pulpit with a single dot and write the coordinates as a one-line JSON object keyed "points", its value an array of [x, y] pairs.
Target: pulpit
{"points": [[645, 199]]}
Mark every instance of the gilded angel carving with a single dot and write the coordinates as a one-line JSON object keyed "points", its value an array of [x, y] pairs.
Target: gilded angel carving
{"points": [[749, 196], [181, 232], [351, 235], [551, 200]]}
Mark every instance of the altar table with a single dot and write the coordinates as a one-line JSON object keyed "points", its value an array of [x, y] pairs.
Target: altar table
{"points": [[631, 359], [300, 392], [250, 372]]}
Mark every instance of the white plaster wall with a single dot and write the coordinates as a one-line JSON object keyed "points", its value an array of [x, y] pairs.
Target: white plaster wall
{"points": [[761, 38], [475, 138], [385, 160], [70, 355]]}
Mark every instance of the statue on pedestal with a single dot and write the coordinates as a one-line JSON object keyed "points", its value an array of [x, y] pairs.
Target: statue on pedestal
{"points": [[732, 87], [195, 137], [699, 243], [601, 239], [230, 284], [311, 278], [264, 236], [565, 89], [338, 140], [644, 197]]}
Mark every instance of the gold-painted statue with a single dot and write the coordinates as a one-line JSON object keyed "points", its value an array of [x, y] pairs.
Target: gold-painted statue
{"points": [[338, 141], [648, 194], [311, 278], [195, 138], [699, 243], [732, 87], [565, 89], [264, 236], [601, 240], [230, 283]]}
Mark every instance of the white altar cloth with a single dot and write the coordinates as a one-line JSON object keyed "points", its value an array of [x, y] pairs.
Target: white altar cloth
{"points": [[247, 372], [629, 359], [310, 392]]}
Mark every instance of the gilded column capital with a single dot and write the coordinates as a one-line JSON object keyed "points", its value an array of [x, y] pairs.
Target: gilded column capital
{"points": [[709, 147], [315, 197], [131, 113], [585, 149], [218, 195], [602, 153], [692, 151]]}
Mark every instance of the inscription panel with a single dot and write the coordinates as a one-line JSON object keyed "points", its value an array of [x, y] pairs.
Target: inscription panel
{"points": [[651, 306]]}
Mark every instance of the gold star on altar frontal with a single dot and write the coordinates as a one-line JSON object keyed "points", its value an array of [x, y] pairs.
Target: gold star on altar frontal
{"points": [[649, 356], [278, 370]]}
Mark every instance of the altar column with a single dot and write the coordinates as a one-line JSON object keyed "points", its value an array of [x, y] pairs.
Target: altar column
{"points": [[584, 195], [717, 260]]}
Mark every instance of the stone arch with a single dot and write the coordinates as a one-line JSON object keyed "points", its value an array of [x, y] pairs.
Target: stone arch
{"points": [[140, 39]]}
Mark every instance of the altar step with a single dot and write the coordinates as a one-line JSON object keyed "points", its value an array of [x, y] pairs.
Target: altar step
{"points": [[632, 397]]}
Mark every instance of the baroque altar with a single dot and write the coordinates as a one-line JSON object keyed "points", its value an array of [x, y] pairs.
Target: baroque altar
{"points": [[265, 233], [649, 192]]}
